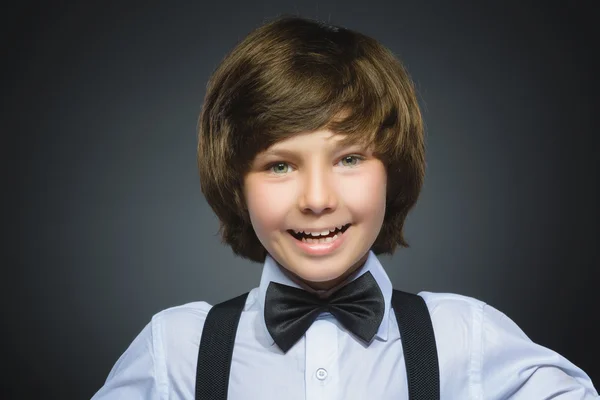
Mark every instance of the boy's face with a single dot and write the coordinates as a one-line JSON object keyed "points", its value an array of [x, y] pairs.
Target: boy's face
{"points": [[311, 185]]}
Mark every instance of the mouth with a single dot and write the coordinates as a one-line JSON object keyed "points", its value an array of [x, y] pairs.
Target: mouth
{"points": [[315, 237]]}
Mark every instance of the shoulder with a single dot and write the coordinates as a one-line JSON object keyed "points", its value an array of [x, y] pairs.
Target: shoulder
{"points": [[163, 356], [444, 306], [184, 324], [181, 318], [451, 312], [480, 317], [154, 343], [457, 323], [501, 360], [176, 334]]}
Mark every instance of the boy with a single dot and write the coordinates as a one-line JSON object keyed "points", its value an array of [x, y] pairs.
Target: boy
{"points": [[311, 153]]}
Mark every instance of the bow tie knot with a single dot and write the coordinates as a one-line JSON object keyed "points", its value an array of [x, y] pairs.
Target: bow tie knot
{"points": [[289, 311]]}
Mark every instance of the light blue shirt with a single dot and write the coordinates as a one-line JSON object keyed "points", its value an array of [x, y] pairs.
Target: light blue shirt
{"points": [[482, 355]]}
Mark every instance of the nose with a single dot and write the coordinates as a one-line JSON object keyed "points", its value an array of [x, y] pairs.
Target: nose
{"points": [[318, 192]]}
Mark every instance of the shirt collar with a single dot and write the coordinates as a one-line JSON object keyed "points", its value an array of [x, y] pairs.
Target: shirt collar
{"points": [[272, 273]]}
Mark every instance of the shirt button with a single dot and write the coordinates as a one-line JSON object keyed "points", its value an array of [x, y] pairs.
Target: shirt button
{"points": [[321, 374]]}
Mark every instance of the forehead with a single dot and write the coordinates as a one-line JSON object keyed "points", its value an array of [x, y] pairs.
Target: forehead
{"points": [[312, 141]]}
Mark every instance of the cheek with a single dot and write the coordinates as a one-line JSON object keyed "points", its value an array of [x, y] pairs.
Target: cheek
{"points": [[366, 195], [268, 205]]}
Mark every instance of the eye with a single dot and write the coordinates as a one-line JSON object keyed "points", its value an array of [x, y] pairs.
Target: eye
{"points": [[279, 168], [351, 160]]}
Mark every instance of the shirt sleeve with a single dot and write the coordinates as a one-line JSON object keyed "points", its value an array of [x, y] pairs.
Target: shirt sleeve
{"points": [[133, 376], [514, 367]]}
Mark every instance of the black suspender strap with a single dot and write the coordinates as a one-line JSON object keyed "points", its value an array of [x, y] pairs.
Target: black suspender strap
{"points": [[416, 332], [418, 342], [216, 349]]}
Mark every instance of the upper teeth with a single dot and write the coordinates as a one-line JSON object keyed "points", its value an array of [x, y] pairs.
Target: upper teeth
{"points": [[320, 233]]}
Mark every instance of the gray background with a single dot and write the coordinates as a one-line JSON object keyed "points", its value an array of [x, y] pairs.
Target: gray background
{"points": [[105, 218]]}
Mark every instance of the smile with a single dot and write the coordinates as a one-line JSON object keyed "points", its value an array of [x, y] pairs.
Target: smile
{"points": [[319, 242], [316, 235]]}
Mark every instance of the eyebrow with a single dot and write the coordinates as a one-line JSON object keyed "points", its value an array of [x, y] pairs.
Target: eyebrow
{"points": [[278, 153], [283, 152]]}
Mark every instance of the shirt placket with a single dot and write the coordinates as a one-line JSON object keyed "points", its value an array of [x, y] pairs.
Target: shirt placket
{"points": [[322, 369]]}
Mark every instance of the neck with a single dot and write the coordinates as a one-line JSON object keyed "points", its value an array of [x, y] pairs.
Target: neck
{"points": [[327, 288]]}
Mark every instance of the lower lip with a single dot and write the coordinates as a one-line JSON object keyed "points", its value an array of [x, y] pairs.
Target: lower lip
{"points": [[320, 249]]}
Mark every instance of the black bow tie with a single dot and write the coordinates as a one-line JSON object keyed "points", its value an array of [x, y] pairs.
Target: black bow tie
{"points": [[289, 311]]}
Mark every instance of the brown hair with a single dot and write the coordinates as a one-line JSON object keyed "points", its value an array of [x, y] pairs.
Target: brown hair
{"points": [[296, 75]]}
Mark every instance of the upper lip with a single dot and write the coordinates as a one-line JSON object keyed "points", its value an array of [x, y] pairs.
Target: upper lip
{"points": [[319, 231]]}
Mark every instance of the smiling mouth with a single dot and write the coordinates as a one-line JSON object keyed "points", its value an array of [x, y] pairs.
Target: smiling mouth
{"points": [[309, 238]]}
